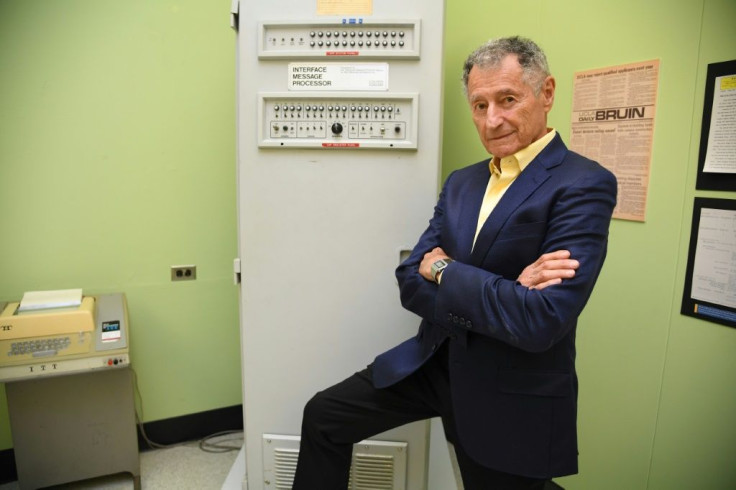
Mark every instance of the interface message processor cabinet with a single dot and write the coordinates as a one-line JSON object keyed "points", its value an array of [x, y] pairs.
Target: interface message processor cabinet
{"points": [[338, 133]]}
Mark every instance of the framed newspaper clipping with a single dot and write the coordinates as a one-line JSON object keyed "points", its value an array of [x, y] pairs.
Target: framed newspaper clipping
{"points": [[710, 280], [717, 155]]}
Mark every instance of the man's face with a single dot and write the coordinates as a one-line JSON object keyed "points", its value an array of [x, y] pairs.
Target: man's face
{"points": [[506, 113]]}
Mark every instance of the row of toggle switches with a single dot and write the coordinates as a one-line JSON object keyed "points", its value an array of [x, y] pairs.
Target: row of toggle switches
{"points": [[368, 34], [330, 108], [359, 43]]}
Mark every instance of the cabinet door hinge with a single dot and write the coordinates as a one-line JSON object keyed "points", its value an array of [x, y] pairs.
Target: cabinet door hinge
{"points": [[234, 13], [236, 271]]}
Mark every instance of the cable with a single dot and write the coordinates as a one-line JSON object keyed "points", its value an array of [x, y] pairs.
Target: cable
{"points": [[218, 447], [204, 444], [139, 419]]}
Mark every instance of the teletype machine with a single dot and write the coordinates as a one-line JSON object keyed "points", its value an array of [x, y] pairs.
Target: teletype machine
{"points": [[64, 359]]}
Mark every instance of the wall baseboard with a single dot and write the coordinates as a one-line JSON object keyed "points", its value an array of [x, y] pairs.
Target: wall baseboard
{"points": [[185, 428], [7, 466], [191, 427]]}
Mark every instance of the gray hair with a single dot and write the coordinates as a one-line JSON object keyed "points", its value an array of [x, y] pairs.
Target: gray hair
{"points": [[531, 58]]}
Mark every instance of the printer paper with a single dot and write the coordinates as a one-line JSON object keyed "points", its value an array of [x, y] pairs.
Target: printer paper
{"points": [[44, 300]]}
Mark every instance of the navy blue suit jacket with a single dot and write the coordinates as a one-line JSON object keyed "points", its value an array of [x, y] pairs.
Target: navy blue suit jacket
{"points": [[511, 349]]}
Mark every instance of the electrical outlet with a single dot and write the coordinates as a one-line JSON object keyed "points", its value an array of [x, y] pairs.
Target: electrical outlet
{"points": [[183, 272]]}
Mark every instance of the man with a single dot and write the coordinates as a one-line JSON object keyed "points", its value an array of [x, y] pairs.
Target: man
{"points": [[495, 352]]}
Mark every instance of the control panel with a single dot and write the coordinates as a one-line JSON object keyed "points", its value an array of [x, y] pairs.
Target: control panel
{"points": [[338, 120], [349, 38]]}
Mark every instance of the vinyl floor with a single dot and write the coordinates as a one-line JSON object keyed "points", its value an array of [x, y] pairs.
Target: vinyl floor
{"points": [[181, 467]]}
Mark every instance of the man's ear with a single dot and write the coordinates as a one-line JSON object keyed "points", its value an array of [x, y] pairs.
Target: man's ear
{"points": [[548, 93]]}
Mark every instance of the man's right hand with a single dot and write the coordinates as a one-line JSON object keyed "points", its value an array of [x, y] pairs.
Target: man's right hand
{"points": [[548, 270]]}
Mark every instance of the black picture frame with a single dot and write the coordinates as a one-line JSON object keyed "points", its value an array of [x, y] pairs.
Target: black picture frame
{"points": [[715, 181], [704, 310]]}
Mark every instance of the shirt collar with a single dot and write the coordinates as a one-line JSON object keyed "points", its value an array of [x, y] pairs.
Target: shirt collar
{"points": [[524, 157]]}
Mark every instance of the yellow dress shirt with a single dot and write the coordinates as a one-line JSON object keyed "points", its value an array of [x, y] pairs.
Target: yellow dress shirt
{"points": [[503, 174]]}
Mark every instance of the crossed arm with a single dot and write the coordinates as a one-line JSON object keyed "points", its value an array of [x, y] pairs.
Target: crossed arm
{"points": [[523, 312], [549, 269]]}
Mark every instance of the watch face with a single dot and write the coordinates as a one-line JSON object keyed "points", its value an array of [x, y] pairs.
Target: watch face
{"points": [[438, 265]]}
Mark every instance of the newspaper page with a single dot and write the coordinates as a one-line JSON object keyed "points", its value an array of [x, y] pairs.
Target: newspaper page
{"points": [[613, 123]]}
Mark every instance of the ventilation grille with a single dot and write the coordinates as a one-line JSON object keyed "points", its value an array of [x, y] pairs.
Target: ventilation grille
{"points": [[372, 472], [284, 467], [377, 465]]}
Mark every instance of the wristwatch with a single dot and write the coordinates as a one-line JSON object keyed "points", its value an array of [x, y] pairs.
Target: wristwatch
{"points": [[438, 266]]}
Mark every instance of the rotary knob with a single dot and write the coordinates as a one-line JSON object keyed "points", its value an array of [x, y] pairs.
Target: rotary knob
{"points": [[336, 128]]}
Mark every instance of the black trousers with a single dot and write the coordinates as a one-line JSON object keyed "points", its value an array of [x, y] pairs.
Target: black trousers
{"points": [[353, 410]]}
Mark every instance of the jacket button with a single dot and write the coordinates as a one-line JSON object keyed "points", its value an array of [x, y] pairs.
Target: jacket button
{"points": [[469, 324], [454, 319], [434, 347]]}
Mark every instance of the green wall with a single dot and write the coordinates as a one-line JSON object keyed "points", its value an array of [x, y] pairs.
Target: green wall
{"points": [[117, 160], [658, 390]]}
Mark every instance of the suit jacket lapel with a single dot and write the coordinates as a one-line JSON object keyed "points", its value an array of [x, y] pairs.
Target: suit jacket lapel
{"points": [[470, 207], [520, 190]]}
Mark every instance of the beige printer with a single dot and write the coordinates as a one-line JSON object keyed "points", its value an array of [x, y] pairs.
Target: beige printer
{"points": [[43, 339], [71, 406]]}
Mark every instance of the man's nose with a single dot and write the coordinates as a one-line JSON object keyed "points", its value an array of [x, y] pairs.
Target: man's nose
{"points": [[494, 117]]}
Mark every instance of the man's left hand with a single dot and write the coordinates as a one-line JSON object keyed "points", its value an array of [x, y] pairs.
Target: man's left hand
{"points": [[548, 270]]}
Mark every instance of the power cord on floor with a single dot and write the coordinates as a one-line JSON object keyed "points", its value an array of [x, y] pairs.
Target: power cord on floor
{"points": [[204, 443], [219, 447]]}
